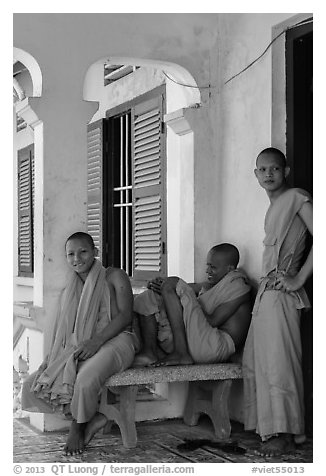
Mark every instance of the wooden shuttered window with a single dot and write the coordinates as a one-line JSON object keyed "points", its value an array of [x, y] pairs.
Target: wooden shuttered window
{"points": [[25, 211], [148, 149], [131, 138], [95, 146]]}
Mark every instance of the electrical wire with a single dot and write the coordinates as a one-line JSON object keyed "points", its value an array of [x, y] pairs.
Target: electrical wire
{"points": [[304, 22], [187, 85]]}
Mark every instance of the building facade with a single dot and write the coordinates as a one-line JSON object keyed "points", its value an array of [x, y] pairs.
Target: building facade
{"points": [[143, 129]]}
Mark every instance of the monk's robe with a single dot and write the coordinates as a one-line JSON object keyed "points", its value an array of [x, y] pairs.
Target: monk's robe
{"points": [[273, 383], [67, 385], [206, 344]]}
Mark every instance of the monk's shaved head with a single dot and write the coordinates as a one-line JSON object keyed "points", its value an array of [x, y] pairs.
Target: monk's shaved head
{"points": [[81, 235], [229, 252], [272, 151]]}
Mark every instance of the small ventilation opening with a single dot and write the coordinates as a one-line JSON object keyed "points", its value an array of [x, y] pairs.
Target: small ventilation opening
{"points": [[114, 72], [20, 123]]}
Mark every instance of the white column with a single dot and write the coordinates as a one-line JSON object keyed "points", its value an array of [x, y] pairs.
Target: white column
{"points": [[180, 195]]}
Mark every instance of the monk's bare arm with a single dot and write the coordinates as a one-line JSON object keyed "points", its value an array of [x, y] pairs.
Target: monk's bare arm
{"points": [[238, 324], [121, 314], [121, 304], [294, 283], [223, 312]]}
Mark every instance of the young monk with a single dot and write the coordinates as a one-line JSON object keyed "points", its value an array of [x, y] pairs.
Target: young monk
{"points": [[273, 385], [208, 321], [92, 341]]}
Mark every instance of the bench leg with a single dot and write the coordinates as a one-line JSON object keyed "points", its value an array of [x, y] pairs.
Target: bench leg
{"points": [[192, 412], [213, 402], [122, 413]]}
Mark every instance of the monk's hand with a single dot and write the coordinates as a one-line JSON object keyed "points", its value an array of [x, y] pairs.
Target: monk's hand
{"points": [[156, 284], [169, 283], [87, 349], [288, 284]]}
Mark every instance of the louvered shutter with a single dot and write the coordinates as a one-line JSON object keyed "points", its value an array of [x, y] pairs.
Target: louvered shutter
{"points": [[25, 211], [94, 183], [148, 148]]}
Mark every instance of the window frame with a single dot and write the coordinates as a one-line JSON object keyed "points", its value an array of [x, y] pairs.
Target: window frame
{"points": [[140, 278], [26, 153]]}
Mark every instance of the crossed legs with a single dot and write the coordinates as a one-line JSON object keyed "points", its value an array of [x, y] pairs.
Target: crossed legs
{"points": [[174, 311], [151, 352]]}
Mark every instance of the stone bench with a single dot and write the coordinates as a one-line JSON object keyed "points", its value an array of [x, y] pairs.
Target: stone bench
{"points": [[209, 388]]}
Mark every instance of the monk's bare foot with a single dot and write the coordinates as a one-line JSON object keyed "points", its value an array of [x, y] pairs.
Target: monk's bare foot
{"points": [[144, 359], [75, 441], [94, 425], [174, 359], [277, 445]]}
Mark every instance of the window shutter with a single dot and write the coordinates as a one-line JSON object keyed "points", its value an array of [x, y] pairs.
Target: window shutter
{"points": [[148, 148], [94, 183], [25, 210]]}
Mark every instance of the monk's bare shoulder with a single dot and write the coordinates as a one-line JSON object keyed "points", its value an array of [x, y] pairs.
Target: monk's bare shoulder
{"points": [[118, 278], [121, 293]]}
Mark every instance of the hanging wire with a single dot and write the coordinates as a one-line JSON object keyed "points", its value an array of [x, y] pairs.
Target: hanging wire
{"points": [[187, 85], [305, 22]]}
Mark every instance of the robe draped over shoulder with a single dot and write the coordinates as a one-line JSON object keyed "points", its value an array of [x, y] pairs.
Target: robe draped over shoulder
{"points": [[232, 286], [83, 307]]}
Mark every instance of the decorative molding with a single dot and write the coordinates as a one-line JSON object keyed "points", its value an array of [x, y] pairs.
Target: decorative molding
{"points": [[19, 91], [24, 109], [178, 122], [33, 68], [28, 315]]}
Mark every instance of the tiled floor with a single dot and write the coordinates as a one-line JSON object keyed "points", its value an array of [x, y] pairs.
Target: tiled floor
{"points": [[158, 442]]}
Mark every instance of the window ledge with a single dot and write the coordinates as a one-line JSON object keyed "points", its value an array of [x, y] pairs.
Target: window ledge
{"points": [[28, 315], [23, 308], [23, 281]]}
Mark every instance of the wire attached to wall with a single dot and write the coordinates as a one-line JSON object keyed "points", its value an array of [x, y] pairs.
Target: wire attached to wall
{"points": [[305, 22], [187, 85]]}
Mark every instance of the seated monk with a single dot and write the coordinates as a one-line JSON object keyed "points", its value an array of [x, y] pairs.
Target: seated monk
{"points": [[92, 341], [206, 322]]}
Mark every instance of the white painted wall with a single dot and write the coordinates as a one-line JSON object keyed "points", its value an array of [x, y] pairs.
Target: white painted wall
{"points": [[244, 114], [122, 91], [232, 125]]}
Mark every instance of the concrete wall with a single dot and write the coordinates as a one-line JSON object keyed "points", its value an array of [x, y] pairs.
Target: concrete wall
{"points": [[65, 46], [230, 128], [244, 114]]}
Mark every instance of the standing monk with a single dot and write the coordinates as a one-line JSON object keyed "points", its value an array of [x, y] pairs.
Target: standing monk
{"points": [[92, 341], [273, 382]]}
